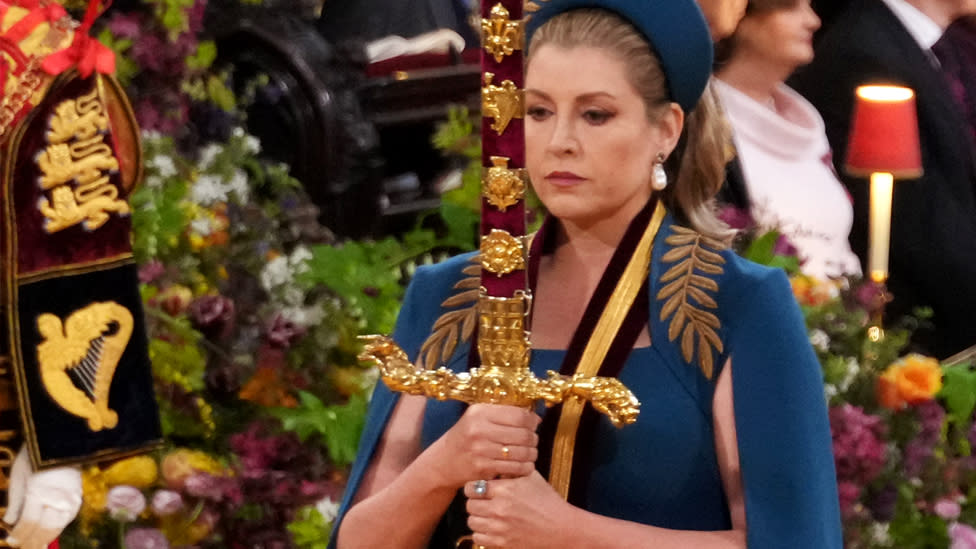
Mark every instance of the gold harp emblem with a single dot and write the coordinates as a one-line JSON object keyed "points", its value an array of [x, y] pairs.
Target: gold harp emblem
{"points": [[503, 187], [78, 359], [502, 103], [502, 35]]}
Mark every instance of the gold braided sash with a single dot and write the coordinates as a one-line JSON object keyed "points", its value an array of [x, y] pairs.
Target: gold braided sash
{"points": [[633, 278]]}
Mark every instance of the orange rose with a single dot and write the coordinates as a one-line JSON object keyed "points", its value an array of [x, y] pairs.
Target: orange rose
{"points": [[910, 380]]}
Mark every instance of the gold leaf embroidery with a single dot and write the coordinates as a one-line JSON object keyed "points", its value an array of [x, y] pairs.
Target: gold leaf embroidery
{"points": [[457, 325], [686, 295]]}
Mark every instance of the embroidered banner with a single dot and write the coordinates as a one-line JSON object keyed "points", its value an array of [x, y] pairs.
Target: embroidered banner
{"points": [[77, 339]]}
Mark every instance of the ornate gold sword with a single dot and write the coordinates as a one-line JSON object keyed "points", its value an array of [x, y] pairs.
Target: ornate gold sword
{"points": [[504, 300]]}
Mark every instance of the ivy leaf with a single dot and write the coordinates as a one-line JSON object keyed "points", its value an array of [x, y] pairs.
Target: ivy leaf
{"points": [[959, 392]]}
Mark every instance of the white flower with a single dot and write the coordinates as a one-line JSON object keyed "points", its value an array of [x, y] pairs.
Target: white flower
{"points": [[829, 392], [275, 273], [819, 339], [151, 135], [303, 316], [163, 165], [327, 508], [208, 189], [879, 534], [153, 181], [238, 185], [299, 259], [293, 296], [252, 144], [202, 226], [208, 154], [237, 132]]}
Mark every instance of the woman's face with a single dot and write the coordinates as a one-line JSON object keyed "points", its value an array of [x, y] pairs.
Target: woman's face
{"points": [[782, 36], [589, 144]]}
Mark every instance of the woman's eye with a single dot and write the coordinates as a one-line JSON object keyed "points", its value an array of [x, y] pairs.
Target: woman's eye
{"points": [[538, 113], [597, 117]]}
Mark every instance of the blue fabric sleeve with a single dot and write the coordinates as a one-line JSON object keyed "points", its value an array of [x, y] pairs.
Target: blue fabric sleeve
{"points": [[785, 449]]}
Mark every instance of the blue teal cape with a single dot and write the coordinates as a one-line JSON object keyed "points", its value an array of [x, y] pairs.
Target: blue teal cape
{"points": [[663, 470]]}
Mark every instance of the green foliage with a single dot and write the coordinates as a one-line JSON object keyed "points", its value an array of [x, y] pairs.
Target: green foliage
{"points": [[912, 528], [366, 275], [338, 425], [959, 391], [172, 14], [204, 57], [763, 251], [310, 530], [125, 68]]}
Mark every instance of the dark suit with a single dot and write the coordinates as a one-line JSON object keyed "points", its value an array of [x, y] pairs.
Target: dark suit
{"points": [[933, 240]]}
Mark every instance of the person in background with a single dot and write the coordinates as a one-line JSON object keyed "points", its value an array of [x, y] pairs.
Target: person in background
{"points": [[784, 161], [732, 447], [933, 224], [722, 16]]}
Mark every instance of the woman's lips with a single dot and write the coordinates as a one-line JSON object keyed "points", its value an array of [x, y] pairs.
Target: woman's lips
{"points": [[563, 179]]}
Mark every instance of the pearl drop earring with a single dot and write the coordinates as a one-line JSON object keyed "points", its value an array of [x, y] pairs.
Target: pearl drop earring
{"points": [[660, 179]]}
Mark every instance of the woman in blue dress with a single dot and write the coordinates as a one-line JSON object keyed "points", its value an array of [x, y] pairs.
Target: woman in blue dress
{"points": [[732, 447]]}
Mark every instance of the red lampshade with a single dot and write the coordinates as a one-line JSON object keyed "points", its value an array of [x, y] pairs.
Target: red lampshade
{"points": [[884, 133]]}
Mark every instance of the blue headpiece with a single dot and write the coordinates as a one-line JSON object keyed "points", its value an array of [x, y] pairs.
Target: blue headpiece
{"points": [[676, 30]]}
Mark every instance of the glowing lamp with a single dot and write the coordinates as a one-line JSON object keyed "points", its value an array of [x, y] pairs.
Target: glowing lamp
{"points": [[883, 144]]}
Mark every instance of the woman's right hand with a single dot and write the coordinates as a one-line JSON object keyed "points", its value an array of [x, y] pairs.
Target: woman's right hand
{"points": [[490, 440]]}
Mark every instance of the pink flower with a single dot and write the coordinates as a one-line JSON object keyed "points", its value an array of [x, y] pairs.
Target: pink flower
{"points": [[125, 503], [145, 538], [282, 332], [947, 509], [962, 536], [151, 271], [849, 493], [166, 502], [859, 451]]}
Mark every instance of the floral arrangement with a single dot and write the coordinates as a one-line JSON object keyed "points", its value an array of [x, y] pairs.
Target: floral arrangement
{"points": [[248, 346], [902, 423]]}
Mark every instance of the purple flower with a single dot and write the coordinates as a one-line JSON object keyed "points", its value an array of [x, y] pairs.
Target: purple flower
{"points": [[125, 503], [859, 452], [125, 25], [919, 450], [783, 246], [871, 296], [282, 332], [213, 488], [213, 315], [962, 536], [151, 271], [145, 538], [735, 218], [947, 508], [883, 502], [166, 502]]}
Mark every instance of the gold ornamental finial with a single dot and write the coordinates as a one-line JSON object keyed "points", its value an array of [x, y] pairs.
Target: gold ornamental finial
{"points": [[502, 36]]}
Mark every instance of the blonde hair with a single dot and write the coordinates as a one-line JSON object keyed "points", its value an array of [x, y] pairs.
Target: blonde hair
{"points": [[696, 167]]}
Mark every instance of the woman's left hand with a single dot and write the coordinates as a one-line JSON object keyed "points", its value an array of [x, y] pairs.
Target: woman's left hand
{"points": [[522, 512]]}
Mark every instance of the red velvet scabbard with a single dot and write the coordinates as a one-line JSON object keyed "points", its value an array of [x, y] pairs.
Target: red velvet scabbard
{"points": [[510, 143]]}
